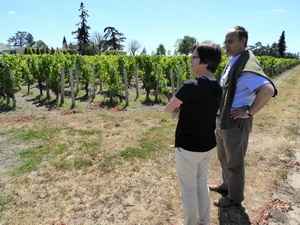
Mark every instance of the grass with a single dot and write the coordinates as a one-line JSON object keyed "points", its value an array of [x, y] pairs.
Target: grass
{"points": [[31, 158], [70, 164], [153, 141], [62, 147], [294, 129], [128, 168], [4, 200], [30, 134], [275, 130]]}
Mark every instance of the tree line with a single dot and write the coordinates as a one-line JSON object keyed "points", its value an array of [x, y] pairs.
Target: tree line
{"points": [[111, 41], [277, 49]]}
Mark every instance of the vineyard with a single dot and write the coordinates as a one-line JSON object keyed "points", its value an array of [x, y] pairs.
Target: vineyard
{"points": [[64, 75], [99, 167]]}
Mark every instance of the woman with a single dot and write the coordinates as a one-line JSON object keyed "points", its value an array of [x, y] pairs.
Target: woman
{"points": [[198, 101]]}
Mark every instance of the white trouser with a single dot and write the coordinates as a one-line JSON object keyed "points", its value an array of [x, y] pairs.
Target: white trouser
{"points": [[192, 171]]}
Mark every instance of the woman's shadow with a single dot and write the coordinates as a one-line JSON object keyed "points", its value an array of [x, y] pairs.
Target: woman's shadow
{"points": [[233, 216]]}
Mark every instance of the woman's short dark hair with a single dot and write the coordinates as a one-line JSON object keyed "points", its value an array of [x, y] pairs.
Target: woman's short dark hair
{"points": [[210, 54], [242, 33]]}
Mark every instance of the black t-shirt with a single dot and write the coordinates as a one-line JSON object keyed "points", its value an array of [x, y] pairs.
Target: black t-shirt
{"points": [[197, 117]]}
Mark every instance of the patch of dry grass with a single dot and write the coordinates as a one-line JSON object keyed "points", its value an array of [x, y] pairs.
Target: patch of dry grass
{"points": [[118, 167]]}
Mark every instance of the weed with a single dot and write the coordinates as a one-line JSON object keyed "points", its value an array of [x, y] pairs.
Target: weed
{"points": [[4, 200], [154, 140], [34, 134]]}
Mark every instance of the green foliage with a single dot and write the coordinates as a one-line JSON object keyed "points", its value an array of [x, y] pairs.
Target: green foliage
{"points": [[113, 39], [282, 44], [82, 32], [21, 39], [161, 50], [10, 78], [185, 45], [160, 75], [274, 66]]}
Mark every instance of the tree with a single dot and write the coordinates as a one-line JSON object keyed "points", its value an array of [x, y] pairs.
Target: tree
{"points": [[39, 45], [114, 38], [133, 46], [21, 39], [144, 51], [82, 33], [274, 50], [64, 43], [282, 44], [185, 45], [99, 42], [52, 51], [259, 49], [161, 50]]}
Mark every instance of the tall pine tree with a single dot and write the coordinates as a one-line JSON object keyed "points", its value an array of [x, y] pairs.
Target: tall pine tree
{"points": [[82, 33], [161, 50], [114, 38], [65, 44], [282, 44]]}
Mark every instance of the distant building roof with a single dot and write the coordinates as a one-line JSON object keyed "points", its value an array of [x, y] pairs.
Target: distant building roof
{"points": [[8, 49], [4, 47]]}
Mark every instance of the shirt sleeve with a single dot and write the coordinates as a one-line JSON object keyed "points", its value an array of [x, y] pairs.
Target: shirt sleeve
{"points": [[182, 93], [253, 81]]}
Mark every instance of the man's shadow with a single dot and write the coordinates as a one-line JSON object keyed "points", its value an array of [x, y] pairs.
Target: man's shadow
{"points": [[233, 216]]}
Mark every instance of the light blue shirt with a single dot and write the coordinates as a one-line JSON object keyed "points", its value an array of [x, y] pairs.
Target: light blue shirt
{"points": [[247, 85], [224, 77]]}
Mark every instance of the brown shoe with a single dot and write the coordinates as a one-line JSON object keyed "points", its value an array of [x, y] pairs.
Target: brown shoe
{"points": [[225, 202], [219, 189]]}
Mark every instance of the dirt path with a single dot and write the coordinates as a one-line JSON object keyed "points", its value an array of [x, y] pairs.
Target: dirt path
{"points": [[289, 191], [284, 209]]}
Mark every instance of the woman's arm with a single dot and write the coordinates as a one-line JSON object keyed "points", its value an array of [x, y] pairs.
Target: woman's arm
{"points": [[173, 105]]}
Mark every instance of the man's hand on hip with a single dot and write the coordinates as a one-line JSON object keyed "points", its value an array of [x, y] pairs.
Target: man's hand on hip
{"points": [[241, 113]]}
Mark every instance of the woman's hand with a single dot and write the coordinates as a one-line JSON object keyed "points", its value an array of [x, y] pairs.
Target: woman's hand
{"points": [[173, 105]]}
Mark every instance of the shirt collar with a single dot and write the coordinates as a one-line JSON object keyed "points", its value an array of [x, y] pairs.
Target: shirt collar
{"points": [[233, 59]]}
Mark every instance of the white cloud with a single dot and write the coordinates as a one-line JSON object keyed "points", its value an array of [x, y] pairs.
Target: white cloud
{"points": [[279, 11], [272, 12], [11, 12]]}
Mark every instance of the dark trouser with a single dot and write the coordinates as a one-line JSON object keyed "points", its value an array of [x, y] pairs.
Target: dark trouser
{"points": [[232, 146]]}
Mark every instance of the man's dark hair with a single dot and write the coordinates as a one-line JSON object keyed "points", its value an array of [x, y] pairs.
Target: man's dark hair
{"points": [[242, 33], [210, 54]]}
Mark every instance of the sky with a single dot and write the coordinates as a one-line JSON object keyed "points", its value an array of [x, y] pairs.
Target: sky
{"points": [[154, 22]]}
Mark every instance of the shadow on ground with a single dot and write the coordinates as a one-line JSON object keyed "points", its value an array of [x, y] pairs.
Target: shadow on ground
{"points": [[6, 108], [233, 216]]}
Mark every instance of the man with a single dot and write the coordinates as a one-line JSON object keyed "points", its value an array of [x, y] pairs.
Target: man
{"points": [[246, 90], [198, 101]]}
